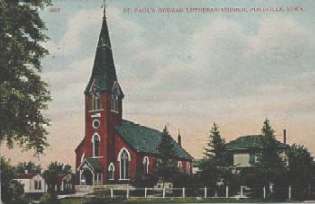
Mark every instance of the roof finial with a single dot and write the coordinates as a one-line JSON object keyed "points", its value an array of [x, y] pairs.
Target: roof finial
{"points": [[104, 10]]}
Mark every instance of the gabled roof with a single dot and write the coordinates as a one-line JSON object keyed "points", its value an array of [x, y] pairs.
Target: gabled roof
{"points": [[146, 140], [103, 73], [94, 163], [248, 142]]}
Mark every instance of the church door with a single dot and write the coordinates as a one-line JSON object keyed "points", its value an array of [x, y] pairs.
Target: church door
{"points": [[87, 177]]}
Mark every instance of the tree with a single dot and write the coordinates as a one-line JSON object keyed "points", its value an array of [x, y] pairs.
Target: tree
{"points": [[270, 166], [23, 94], [10, 190], [299, 170], [166, 163], [54, 170], [216, 146], [30, 167], [142, 179], [214, 165]]}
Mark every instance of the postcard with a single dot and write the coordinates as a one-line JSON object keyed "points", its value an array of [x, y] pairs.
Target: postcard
{"points": [[138, 101]]}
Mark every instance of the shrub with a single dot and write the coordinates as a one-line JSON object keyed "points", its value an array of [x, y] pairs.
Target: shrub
{"points": [[49, 198]]}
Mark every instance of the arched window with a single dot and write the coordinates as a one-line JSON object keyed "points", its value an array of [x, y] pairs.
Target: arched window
{"points": [[96, 145], [114, 103], [124, 164], [116, 96], [146, 165], [111, 171], [96, 102]]}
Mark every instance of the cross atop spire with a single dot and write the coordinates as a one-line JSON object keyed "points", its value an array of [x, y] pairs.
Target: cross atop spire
{"points": [[104, 8], [103, 73]]}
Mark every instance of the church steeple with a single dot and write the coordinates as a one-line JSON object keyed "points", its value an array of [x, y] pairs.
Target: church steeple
{"points": [[103, 73]]}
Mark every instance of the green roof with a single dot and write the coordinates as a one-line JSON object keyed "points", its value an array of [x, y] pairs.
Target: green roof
{"points": [[94, 163], [146, 140], [248, 142], [104, 73]]}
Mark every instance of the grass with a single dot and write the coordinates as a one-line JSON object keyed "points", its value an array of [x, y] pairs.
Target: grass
{"points": [[156, 200], [71, 201], [190, 200]]}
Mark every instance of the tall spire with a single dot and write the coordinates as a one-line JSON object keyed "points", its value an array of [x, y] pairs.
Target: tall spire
{"points": [[103, 73]]}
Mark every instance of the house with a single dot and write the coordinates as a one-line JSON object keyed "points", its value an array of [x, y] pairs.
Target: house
{"points": [[113, 148], [32, 183], [245, 149]]}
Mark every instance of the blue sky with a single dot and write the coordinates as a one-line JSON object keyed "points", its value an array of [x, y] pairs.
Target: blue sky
{"points": [[185, 70]]}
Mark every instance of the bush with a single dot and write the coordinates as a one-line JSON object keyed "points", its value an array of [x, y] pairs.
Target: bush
{"points": [[14, 193], [142, 181], [20, 201], [49, 198]]}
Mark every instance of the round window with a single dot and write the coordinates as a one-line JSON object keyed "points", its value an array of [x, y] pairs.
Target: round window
{"points": [[96, 123]]}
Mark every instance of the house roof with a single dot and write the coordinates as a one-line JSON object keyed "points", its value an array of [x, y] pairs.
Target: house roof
{"points": [[146, 140], [248, 142], [26, 176], [104, 73]]}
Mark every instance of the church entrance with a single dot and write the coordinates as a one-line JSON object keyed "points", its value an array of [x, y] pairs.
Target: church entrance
{"points": [[87, 177]]}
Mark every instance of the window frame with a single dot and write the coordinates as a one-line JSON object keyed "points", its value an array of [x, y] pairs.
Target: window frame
{"points": [[96, 140], [111, 171], [124, 163], [146, 163]]}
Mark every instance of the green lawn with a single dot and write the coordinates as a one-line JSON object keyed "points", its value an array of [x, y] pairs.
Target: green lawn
{"points": [[156, 200]]}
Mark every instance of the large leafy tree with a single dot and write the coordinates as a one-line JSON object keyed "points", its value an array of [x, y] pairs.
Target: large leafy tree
{"points": [[54, 170], [30, 167], [300, 170], [10, 190], [166, 163], [23, 94]]}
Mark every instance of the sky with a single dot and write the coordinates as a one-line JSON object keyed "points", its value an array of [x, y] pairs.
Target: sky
{"points": [[185, 70]]}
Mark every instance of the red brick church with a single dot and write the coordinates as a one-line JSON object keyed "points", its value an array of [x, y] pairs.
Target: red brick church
{"points": [[113, 148]]}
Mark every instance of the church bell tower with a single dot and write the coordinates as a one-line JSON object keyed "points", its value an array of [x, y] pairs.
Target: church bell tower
{"points": [[103, 102]]}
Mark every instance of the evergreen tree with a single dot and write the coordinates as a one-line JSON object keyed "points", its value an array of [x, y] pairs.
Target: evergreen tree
{"points": [[214, 166], [271, 167], [299, 170], [270, 155], [141, 179], [216, 146], [166, 164], [23, 94]]}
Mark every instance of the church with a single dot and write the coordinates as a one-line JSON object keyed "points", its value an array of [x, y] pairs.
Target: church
{"points": [[114, 148]]}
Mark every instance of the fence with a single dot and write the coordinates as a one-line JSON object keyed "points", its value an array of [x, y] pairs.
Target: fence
{"points": [[284, 193]]}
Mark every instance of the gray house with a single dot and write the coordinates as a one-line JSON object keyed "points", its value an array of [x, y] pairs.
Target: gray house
{"points": [[245, 149]]}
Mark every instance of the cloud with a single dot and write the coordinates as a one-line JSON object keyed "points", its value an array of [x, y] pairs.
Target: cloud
{"points": [[78, 31], [226, 59], [189, 76]]}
